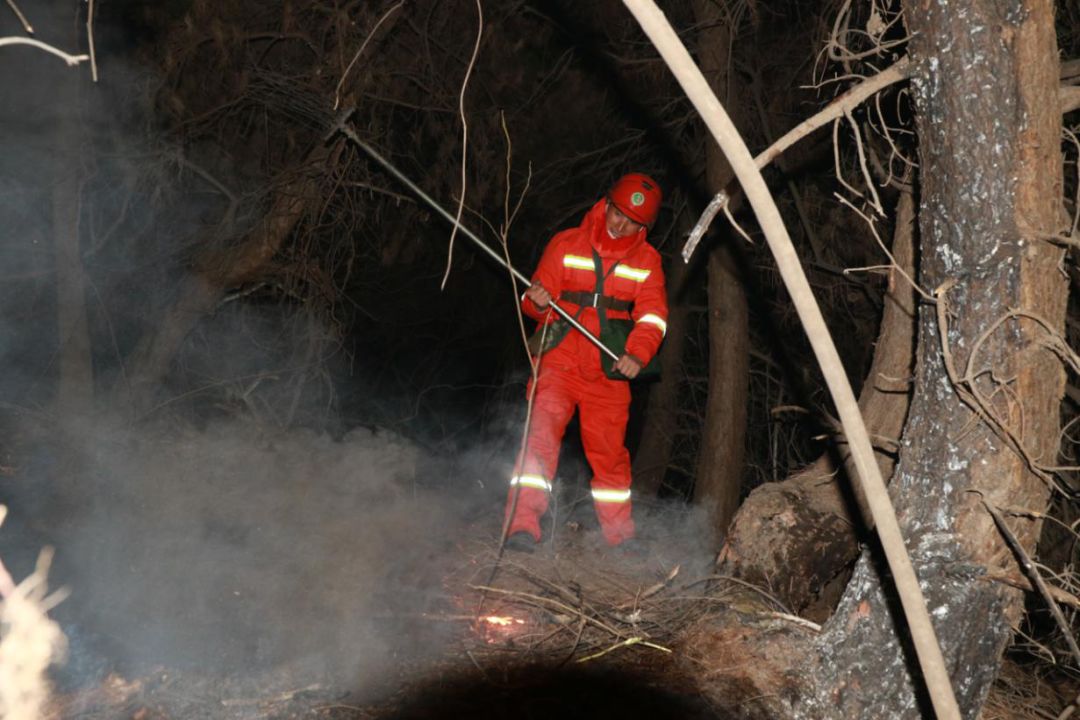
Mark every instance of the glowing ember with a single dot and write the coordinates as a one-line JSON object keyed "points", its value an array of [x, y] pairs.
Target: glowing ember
{"points": [[502, 620]]}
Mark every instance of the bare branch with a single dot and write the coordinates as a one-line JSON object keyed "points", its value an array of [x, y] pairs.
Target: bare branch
{"points": [[337, 90], [1024, 560], [837, 108], [90, 39], [893, 264], [71, 60], [464, 139], [22, 18]]}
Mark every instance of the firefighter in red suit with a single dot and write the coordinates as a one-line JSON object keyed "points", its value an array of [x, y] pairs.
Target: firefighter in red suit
{"points": [[613, 235]]}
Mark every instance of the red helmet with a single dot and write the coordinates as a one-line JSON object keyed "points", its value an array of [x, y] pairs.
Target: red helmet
{"points": [[637, 196]]}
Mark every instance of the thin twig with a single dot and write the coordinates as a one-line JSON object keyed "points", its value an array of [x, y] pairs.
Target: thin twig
{"points": [[967, 388], [893, 264], [900, 70], [625, 643], [875, 201], [515, 491], [337, 90], [534, 363], [22, 18], [795, 619], [90, 39], [550, 602], [71, 60], [749, 586], [1029, 569], [1021, 583], [464, 140]]}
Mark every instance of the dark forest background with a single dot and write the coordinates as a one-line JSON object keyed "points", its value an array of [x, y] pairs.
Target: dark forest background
{"points": [[189, 246]]}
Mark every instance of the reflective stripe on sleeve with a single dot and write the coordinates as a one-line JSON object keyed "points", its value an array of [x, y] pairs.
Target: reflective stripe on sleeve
{"points": [[611, 496], [631, 273], [656, 320], [578, 262], [533, 481]]}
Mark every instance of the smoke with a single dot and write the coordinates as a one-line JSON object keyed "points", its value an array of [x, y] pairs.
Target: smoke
{"points": [[242, 548], [188, 539]]}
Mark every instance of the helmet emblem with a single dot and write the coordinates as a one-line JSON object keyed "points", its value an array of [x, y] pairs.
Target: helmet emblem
{"points": [[637, 199]]}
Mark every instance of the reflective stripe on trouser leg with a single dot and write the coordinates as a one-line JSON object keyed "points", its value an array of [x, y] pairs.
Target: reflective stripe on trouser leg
{"points": [[605, 408], [553, 407]]}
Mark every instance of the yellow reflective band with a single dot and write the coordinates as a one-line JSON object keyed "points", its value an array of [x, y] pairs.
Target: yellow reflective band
{"points": [[631, 273], [611, 496], [578, 262], [654, 320], [533, 481]]}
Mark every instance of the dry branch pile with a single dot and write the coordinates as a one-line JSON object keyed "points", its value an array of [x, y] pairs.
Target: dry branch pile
{"points": [[573, 605]]}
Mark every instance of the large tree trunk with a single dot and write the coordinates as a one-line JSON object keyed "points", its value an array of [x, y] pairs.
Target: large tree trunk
{"points": [[723, 445], [989, 130], [985, 84], [799, 535]]}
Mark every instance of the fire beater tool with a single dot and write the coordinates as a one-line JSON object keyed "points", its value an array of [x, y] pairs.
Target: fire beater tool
{"points": [[342, 127]]}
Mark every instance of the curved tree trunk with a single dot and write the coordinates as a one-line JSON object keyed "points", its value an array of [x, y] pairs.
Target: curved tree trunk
{"points": [[799, 535], [718, 483]]}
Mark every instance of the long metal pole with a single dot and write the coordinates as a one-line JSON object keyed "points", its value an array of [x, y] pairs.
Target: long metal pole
{"points": [[349, 133]]}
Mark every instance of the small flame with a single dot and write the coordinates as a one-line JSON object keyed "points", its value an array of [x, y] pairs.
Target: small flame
{"points": [[502, 620]]}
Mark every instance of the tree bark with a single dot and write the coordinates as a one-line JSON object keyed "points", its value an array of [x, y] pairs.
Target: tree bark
{"points": [[985, 87], [653, 454], [718, 482], [799, 535], [984, 83]]}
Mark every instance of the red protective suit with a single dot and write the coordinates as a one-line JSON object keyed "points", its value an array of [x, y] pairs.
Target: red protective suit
{"points": [[571, 375]]}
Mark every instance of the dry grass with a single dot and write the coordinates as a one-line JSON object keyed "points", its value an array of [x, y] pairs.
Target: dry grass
{"points": [[1032, 692]]}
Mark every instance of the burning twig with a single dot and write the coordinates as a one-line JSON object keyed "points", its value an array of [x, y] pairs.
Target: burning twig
{"points": [[583, 629]]}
